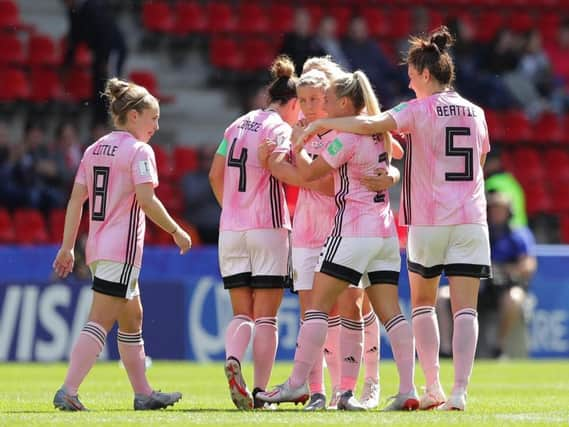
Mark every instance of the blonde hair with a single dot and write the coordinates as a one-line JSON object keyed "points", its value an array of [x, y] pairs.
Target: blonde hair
{"points": [[124, 96], [314, 78], [283, 87], [324, 64], [358, 89]]}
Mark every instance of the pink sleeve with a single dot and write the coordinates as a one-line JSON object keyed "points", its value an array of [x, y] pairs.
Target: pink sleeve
{"points": [[486, 140], [80, 177], [403, 116], [143, 167], [340, 150], [281, 135]]}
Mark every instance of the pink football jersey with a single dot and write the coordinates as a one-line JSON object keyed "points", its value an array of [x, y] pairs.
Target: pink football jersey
{"points": [[360, 212], [252, 197], [314, 214], [443, 181], [111, 168]]}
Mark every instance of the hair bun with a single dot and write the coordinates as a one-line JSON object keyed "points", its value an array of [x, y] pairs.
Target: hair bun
{"points": [[282, 67], [441, 38], [116, 88]]}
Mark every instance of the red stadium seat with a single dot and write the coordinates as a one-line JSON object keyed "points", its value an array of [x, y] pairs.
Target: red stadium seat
{"points": [[560, 200], [189, 18], [11, 50], [538, 200], [14, 86], [45, 86], [547, 129], [185, 160], [163, 162], [56, 225], [400, 23], [548, 25], [521, 21], [9, 15], [148, 80], [42, 51], [252, 19], [281, 17], [220, 17], [30, 227], [82, 57], [258, 54], [377, 21], [79, 85], [495, 125], [157, 17], [342, 14], [517, 127], [556, 161], [489, 22], [316, 14], [171, 197], [7, 234], [565, 126], [224, 53]]}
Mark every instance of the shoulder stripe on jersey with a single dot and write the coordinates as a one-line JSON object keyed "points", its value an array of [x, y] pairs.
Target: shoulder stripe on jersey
{"points": [[276, 206], [407, 181], [340, 199], [131, 243]]}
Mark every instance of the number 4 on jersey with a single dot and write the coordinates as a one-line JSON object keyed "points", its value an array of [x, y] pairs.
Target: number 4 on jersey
{"points": [[240, 163]]}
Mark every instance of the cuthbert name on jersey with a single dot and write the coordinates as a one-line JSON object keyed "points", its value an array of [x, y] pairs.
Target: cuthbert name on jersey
{"points": [[105, 150], [249, 125], [455, 110]]}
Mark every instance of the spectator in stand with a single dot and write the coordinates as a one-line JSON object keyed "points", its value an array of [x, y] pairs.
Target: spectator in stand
{"points": [[502, 299], [328, 40], [10, 195], [483, 88], [201, 208], [300, 44], [363, 53], [67, 153], [35, 171], [503, 53], [557, 53], [499, 180], [92, 22]]}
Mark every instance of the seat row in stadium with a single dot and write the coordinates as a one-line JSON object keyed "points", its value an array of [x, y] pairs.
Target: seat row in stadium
{"points": [[386, 19]]}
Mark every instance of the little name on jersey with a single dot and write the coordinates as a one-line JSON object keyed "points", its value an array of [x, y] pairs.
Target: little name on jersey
{"points": [[249, 125], [105, 150], [455, 110]]}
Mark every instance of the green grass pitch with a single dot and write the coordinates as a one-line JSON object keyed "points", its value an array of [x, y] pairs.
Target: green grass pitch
{"points": [[505, 393]]}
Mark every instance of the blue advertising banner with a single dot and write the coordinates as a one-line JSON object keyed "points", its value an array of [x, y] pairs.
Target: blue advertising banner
{"points": [[186, 309]]}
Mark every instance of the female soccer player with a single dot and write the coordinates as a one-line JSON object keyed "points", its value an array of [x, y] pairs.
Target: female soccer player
{"points": [[352, 313], [443, 204], [362, 244], [254, 231], [117, 174]]}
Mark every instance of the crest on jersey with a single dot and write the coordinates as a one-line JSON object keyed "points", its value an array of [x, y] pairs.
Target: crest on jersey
{"points": [[316, 143], [335, 147]]}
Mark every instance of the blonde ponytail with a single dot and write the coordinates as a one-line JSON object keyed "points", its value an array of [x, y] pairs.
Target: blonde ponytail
{"points": [[372, 107]]}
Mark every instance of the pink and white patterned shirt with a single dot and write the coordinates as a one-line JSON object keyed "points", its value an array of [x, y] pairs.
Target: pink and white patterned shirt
{"points": [[252, 197], [359, 211], [443, 181], [314, 213], [111, 168]]}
